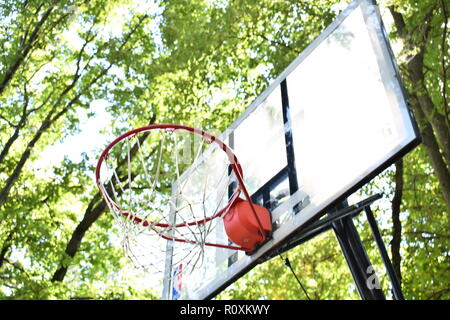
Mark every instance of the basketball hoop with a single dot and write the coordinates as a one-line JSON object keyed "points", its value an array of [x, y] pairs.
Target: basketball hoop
{"points": [[136, 173]]}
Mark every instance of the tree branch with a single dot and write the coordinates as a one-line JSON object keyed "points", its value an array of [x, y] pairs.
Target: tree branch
{"points": [[444, 54], [18, 127], [434, 129], [396, 223], [93, 211], [24, 50], [432, 147], [6, 246], [438, 294], [52, 118], [430, 234], [398, 21]]}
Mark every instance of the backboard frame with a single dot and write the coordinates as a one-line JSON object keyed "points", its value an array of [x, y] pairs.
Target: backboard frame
{"points": [[287, 234]]}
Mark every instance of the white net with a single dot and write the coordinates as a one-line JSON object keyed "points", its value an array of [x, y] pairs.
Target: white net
{"points": [[167, 190]]}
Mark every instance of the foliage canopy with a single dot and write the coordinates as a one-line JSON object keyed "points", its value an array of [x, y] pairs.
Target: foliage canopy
{"points": [[114, 65]]}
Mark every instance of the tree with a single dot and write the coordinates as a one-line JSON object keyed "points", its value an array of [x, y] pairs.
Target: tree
{"points": [[59, 60], [424, 32], [422, 27], [167, 62]]}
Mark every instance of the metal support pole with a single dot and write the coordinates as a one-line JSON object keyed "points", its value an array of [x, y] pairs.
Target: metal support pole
{"points": [[355, 255], [396, 288], [341, 221]]}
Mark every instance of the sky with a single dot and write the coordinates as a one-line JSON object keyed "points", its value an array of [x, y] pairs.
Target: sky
{"points": [[88, 140]]}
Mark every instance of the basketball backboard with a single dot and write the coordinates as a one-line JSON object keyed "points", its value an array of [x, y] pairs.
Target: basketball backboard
{"points": [[334, 119]]}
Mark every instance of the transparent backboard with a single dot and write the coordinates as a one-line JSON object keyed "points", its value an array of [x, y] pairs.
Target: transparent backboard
{"points": [[335, 118]]}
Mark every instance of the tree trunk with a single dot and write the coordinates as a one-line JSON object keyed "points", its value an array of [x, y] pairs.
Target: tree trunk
{"points": [[92, 213], [433, 125], [437, 120], [396, 223], [6, 247], [432, 148], [24, 50]]}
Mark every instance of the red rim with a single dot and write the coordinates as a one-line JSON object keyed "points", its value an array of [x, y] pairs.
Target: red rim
{"points": [[235, 166]]}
